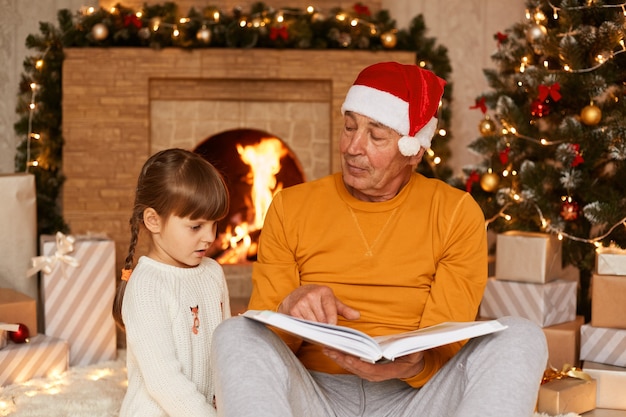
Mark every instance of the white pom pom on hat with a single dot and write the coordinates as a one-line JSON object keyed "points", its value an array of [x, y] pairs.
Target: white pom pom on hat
{"points": [[400, 96]]}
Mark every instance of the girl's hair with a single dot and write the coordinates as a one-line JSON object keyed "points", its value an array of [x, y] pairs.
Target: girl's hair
{"points": [[173, 182]]}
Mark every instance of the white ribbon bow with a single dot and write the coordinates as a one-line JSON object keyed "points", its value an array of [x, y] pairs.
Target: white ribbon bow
{"points": [[65, 245]]}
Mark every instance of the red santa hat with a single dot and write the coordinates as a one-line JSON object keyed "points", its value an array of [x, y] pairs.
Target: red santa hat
{"points": [[402, 97]]}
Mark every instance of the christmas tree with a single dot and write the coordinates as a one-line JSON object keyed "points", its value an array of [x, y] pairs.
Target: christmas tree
{"points": [[553, 134]]}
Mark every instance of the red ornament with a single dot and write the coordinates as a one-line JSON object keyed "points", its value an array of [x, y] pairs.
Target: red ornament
{"points": [[501, 37], [131, 19], [480, 104], [539, 109], [361, 9], [578, 158], [21, 335], [473, 177], [569, 210], [504, 155], [552, 91], [279, 32]]}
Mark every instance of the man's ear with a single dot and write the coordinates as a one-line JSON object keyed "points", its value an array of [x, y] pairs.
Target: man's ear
{"points": [[152, 220], [417, 158]]}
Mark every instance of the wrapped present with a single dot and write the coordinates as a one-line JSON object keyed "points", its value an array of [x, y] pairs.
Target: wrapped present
{"points": [[18, 232], [4, 335], [544, 304], [528, 257], [564, 343], [567, 391], [611, 261], [603, 345], [43, 356], [78, 296], [608, 301], [16, 307], [611, 380]]}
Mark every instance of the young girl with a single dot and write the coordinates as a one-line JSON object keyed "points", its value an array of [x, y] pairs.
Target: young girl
{"points": [[175, 296]]}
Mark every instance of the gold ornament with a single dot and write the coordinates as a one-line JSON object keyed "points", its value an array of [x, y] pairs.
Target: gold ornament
{"points": [[100, 31], [489, 181], [204, 35], [591, 115], [487, 127], [389, 40]]}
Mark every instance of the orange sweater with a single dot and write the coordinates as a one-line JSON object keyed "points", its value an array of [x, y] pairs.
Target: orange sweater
{"points": [[407, 263]]}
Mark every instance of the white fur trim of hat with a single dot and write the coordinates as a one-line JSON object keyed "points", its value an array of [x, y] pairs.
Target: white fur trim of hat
{"points": [[403, 97]]}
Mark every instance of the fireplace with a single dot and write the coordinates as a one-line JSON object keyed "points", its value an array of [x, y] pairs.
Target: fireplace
{"points": [[255, 166], [120, 105]]}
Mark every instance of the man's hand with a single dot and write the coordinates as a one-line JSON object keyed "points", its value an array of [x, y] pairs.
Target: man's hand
{"points": [[404, 367], [316, 303]]}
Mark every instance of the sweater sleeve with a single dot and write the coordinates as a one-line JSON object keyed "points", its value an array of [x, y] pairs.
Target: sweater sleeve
{"points": [[275, 273], [150, 338], [459, 281]]}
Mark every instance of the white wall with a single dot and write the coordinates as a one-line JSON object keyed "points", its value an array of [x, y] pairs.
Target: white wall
{"points": [[465, 27]]}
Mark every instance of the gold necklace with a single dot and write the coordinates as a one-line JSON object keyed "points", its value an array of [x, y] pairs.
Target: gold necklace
{"points": [[369, 247]]}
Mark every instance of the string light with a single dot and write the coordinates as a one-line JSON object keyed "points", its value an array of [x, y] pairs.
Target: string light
{"points": [[34, 88], [549, 228]]}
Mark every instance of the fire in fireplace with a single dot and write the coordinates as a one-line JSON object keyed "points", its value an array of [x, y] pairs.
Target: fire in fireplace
{"points": [[255, 165]]}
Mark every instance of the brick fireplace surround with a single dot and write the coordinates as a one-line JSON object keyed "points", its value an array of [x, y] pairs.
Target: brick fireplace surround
{"points": [[117, 103]]}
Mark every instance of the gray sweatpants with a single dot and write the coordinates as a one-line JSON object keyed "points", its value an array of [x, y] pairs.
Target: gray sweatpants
{"points": [[257, 375]]}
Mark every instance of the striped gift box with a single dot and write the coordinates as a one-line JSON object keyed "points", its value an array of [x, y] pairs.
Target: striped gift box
{"points": [[43, 356], [603, 345], [544, 304], [78, 300]]}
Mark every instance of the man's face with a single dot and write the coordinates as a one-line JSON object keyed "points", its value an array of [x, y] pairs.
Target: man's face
{"points": [[373, 167]]}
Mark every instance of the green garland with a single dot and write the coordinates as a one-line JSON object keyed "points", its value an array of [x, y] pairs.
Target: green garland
{"points": [[161, 26]]}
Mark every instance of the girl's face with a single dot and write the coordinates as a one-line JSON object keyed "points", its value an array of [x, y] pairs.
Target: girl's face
{"points": [[181, 242]]}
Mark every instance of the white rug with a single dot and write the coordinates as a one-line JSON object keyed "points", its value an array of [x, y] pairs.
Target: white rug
{"points": [[91, 391]]}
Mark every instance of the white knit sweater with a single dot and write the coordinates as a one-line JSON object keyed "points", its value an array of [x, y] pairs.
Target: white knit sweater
{"points": [[169, 369]]}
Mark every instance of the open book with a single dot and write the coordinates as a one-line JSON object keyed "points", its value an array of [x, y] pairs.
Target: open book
{"points": [[373, 349]]}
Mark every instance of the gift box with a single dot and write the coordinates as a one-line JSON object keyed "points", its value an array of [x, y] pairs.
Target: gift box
{"points": [[43, 356], [528, 257], [78, 297], [544, 304], [603, 345], [611, 261], [18, 232], [608, 301], [567, 395], [16, 307], [611, 380], [564, 343]]}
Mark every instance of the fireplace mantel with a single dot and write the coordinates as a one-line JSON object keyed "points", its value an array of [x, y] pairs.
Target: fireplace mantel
{"points": [[107, 98]]}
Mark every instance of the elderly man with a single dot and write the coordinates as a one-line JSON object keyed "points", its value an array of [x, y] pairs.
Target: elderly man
{"points": [[382, 249]]}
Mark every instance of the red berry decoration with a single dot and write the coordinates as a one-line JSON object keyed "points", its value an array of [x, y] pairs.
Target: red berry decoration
{"points": [[539, 108], [569, 210], [21, 335]]}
